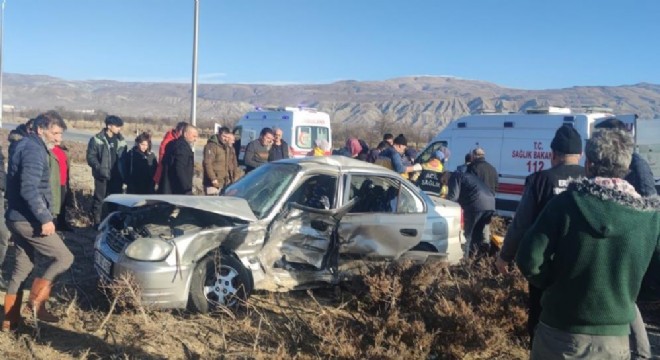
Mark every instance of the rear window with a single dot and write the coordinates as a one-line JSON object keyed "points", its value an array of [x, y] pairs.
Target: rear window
{"points": [[306, 136]]}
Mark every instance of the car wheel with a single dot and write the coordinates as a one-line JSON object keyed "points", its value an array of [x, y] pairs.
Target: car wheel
{"points": [[218, 283], [424, 246]]}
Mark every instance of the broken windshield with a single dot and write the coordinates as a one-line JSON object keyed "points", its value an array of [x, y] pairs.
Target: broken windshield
{"points": [[263, 186]]}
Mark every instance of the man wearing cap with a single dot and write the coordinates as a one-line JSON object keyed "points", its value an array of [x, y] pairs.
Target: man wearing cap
{"points": [[483, 169], [103, 151], [392, 157], [540, 187]]}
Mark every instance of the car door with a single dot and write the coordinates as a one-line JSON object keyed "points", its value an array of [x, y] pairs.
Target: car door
{"points": [[301, 235], [387, 219]]}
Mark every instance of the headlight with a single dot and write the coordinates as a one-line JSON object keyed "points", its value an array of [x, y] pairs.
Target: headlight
{"points": [[148, 249]]}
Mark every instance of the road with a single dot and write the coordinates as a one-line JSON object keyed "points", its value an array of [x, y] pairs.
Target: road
{"points": [[83, 136]]}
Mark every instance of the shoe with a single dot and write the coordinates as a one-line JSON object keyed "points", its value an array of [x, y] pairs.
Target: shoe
{"points": [[12, 311], [39, 295]]}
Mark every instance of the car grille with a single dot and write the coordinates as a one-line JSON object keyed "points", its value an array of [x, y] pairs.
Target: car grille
{"points": [[116, 241]]}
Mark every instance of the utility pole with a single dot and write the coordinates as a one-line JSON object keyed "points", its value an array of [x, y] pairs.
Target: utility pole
{"points": [[193, 107]]}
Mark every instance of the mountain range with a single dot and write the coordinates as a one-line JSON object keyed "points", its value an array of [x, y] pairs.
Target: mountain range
{"points": [[425, 101]]}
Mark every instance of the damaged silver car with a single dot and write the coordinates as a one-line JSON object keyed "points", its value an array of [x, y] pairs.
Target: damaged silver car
{"points": [[291, 224]]}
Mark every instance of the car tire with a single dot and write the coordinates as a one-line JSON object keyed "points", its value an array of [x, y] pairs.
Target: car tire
{"points": [[424, 246], [210, 288]]}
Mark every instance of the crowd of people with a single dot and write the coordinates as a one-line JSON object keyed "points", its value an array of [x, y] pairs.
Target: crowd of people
{"points": [[583, 237]]}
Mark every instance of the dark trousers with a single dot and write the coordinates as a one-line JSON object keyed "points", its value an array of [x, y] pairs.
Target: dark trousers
{"points": [[4, 232], [61, 216], [474, 225], [103, 188], [533, 310], [28, 240]]}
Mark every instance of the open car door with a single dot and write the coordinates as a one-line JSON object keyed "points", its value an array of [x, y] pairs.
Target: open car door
{"points": [[303, 237]]}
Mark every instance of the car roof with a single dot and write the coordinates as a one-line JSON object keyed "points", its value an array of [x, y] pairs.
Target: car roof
{"points": [[340, 163]]}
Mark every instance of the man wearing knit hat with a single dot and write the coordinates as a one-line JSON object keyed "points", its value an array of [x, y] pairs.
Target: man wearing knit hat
{"points": [[540, 187]]}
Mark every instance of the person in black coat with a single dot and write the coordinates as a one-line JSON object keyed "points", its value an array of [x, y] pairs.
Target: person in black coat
{"points": [[179, 164], [279, 149], [139, 166], [478, 203], [483, 169]]}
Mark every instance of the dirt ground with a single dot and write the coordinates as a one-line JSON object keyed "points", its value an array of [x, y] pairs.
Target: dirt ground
{"points": [[395, 311]]}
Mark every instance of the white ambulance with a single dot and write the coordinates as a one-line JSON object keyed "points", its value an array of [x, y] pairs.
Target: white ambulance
{"points": [[301, 127], [516, 144]]}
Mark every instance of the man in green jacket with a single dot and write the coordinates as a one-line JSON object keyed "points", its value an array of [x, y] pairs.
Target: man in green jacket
{"points": [[589, 250], [103, 153]]}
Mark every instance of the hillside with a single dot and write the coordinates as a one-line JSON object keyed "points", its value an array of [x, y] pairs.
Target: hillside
{"points": [[421, 101]]}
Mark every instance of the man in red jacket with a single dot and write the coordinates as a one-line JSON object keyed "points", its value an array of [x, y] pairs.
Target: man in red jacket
{"points": [[173, 134]]}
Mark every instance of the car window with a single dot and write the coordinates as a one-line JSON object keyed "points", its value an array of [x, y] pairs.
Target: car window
{"points": [[317, 191], [263, 186], [375, 194], [409, 203]]}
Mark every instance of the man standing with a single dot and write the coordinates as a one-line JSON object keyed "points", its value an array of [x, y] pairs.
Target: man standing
{"points": [[392, 157], [179, 164], [540, 187], [468, 160], [478, 204], [59, 167], [640, 175], [171, 135], [256, 152], [30, 221], [280, 149], [483, 169], [103, 153], [220, 165], [588, 250], [4, 232]]}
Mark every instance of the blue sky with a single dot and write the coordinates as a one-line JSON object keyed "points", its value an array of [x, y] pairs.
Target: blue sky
{"points": [[529, 44]]}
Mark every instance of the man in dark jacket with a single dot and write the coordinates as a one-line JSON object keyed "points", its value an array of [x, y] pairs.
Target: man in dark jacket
{"points": [[640, 175], [540, 187], [588, 250], [4, 232], [482, 169], [170, 136], [478, 203], [179, 164], [103, 153], [280, 149], [257, 151], [30, 220]]}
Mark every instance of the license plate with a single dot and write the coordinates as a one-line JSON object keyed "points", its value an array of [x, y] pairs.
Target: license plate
{"points": [[103, 264]]}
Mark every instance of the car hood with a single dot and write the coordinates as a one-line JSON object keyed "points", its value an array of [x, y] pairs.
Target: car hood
{"points": [[222, 205]]}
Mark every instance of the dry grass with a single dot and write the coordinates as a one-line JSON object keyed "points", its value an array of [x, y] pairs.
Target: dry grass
{"points": [[396, 311]]}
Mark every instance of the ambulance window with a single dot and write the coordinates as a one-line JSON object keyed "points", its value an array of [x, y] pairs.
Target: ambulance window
{"points": [[322, 133], [426, 155], [304, 137]]}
